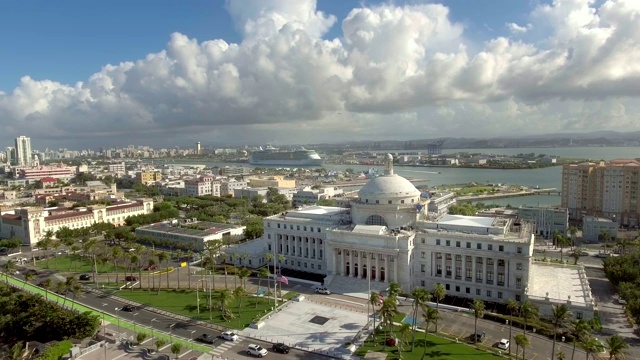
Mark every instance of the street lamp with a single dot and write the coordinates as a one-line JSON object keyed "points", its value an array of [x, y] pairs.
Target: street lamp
{"points": [[191, 338], [134, 322], [152, 320], [171, 333]]}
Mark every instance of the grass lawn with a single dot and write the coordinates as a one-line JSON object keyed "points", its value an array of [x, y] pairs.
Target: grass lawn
{"points": [[75, 263], [184, 302], [437, 348]]}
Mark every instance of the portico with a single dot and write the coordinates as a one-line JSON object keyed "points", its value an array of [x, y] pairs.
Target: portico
{"points": [[371, 265]]}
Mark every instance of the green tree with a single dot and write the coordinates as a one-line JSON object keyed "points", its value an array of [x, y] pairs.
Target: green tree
{"points": [[9, 267], [591, 346], [388, 311], [403, 331], [151, 263], [162, 256], [28, 277], [420, 298], [46, 285], [522, 341], [116, 254], [224, 298], [262, 273], [374, 300], [160, 343], [605, 237], [430, 315], [616, 347], [141, 337], [529, 312], [438, 293], [243, 274], [175, 349], [562, 242], [560, 355], [478, 311], [239, 293], [559, 317], [512, 307], [573, 231], [579, 329], [575, 254]]}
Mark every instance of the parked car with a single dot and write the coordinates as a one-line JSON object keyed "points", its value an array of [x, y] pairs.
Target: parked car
{"points": [[584, 253], [503, 344], [150, 268], [84, 277], [130, 278], [390, 342], [256, 350], [281, 348], [622, 301], [479, 336], [4, 251], [229, 335], [206, 338], [323, 290]]}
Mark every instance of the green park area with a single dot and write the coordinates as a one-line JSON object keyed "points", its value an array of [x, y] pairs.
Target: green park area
{"points": [[75, 263], [436, 348], [240, 310]]}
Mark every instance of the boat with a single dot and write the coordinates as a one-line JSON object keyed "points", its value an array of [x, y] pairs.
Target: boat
{"points": [[274, 156]]}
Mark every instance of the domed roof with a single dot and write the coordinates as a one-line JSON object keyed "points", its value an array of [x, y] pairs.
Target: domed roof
{"points": [[388, 186]]}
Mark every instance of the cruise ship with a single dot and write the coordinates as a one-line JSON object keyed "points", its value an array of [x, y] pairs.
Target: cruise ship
{"points": [[274, 156]]}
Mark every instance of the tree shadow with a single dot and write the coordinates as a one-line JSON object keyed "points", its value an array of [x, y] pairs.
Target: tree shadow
{"points": [[190, 308], [351, 326]]}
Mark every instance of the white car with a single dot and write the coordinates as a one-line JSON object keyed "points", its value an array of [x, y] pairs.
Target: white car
{"points": [[503, 344], [622, 301], [256, 350], [323, 290], [228, 335]]}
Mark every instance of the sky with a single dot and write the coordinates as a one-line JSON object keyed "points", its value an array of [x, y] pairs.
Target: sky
{"points": [[80, 74]]}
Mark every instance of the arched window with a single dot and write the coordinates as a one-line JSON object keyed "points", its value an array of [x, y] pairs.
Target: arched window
{"points": [[376, 220]]}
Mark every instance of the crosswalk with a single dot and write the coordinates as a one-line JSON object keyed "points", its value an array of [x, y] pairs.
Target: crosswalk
{"points": [[224, 345]]}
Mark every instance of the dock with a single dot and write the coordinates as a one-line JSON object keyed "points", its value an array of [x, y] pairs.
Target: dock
{"points": [[550, 191]]}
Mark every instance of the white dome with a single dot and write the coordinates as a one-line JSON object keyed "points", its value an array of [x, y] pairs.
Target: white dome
{"points": [[388, 186]]}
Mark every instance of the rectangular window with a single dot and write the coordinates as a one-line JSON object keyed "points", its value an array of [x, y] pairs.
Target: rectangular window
{"points": [[458, 272], [578, 315], [439, 256], [268, 224], [518, 298], [468, 290], [447, 256], [490, 247], [298, 263], [439, 270], [488, 293], [448, 271], [500, 279], [422, 283], [278, 226], [468, 273], [318, 229], [437, 241], [518, 283], [422, 254], [422, 268], [489, 277], [499, 294], [312, 265], [489, 262], [479, 246], [519, 250], [448, 242], [479, 260], [305, 265], [269, 247], [422, 240], [305, 228], [447, 287], [500, 247], [479, 275], [478, 292], [319, 267], [458, 257], [518, 266], [468, 245], [457, 288], [269, 236], [457, 243]]}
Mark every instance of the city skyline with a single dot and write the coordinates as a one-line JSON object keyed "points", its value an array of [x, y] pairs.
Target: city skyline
{"points": [[306, 72]]}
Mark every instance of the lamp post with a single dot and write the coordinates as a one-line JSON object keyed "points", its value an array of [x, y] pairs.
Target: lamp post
{"points": [[152, 320], [191, 337], [171, 333], [134, 322]]}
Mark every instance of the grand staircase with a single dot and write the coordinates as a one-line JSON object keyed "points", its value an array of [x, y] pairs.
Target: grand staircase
{"points": [[353, 286]]}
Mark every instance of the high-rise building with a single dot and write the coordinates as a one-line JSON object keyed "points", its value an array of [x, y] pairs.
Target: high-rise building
{"points": [[23, 151], [10, 155], [198, 149], [605, 189]]}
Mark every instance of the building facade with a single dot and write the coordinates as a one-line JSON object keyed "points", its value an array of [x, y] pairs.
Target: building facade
{"points": [[23, 151], [594, 227], [148, 177], [546, 219], [605, 189]]}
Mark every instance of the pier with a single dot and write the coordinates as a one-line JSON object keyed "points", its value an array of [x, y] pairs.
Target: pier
{"points": [[550, 191]]}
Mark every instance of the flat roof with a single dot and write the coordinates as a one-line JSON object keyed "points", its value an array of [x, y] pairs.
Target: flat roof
{"points": [[319, 210], [559, 282], [205, 228], [461, 220]]}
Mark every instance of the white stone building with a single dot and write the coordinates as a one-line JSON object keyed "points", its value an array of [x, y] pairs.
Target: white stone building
{"points": [[386, 235]]}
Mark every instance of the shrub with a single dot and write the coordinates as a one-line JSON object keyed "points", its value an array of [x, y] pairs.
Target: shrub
{"points": [[55, 351]]}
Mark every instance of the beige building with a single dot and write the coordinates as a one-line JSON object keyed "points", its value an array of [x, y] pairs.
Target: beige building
{"points": [[148, 177], [271, 181], [30, 225], [605, 189]]}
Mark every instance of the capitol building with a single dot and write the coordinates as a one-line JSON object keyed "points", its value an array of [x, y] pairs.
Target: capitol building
{"points": [[385, 235]]}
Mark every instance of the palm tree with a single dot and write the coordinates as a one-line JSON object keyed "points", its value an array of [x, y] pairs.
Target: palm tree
{"points": [[560, 355], [224, 261], [189, 256], [281, 259], [529, 312], [235, 256], [562, 242], [438, 293], [573, 231], [579, 329], [18, 352], [268, 257], [388, 311], [179, 256], [60, 288], [404, 330], [512, 308], [9, 267], [617, 347], [46, 284], [224, 299], [160, 343], [116, 253], [45, 244], [28, 277], [141, 337], [478, 312], [522, 341], [591, 346], [559, 318], [75, 289], [605, 236], [420, 297], [151, 264], [239, 294], [429, 315], [162, 256], [175, 349], [262, 273], [555, 235], [374, 300], [243, 274], [394, 289]]}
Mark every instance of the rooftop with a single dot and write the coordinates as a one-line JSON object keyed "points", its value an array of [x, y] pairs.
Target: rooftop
{"points": [[197, 229], [560, 283], [460, 220]]}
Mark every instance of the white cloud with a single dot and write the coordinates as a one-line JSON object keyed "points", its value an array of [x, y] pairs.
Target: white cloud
{"points": [[396, 72], [515, 28]]}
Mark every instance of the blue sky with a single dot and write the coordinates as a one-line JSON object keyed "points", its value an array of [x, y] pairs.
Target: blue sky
{"points": [[69, 40]]}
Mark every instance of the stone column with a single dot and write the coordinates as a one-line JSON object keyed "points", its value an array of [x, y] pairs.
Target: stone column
{"points": [[386, 268], [464, 268], [377, 267], [473, 267], [443, 262], [395, 269], [369, 265], [350, 262]]}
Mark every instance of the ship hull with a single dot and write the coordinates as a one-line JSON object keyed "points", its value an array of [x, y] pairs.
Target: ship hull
{"points": [[302, 162]]}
